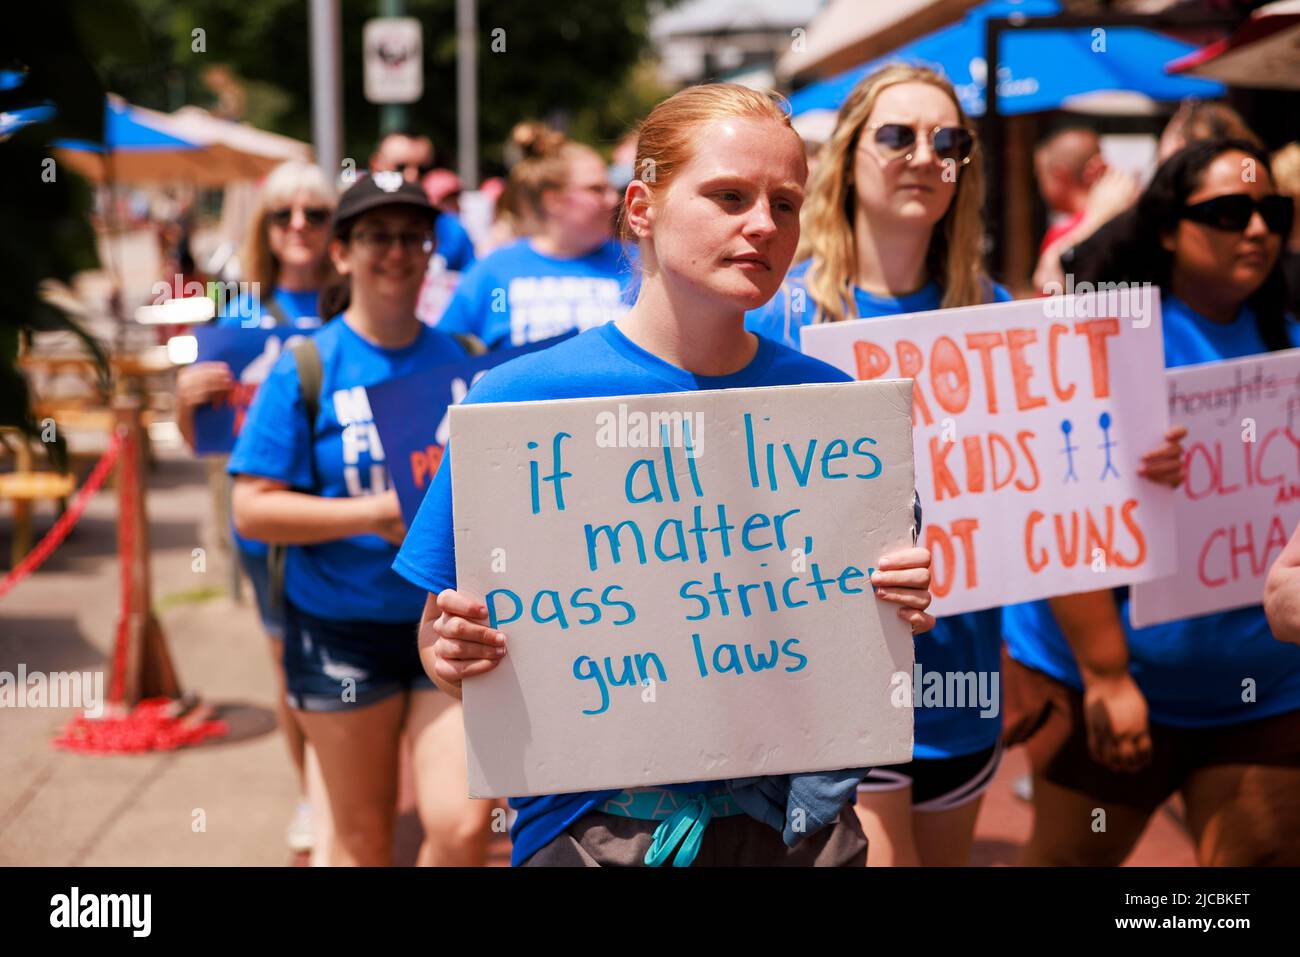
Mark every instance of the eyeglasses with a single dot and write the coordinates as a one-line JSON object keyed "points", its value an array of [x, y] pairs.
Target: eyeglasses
{"points": [[1233, 212], [894, 140], [380, 243], [315, 216]]}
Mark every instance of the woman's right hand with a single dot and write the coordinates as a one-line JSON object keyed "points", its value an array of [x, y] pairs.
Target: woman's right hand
{"points": [[459, 643], [1115, 715], [202, 382]]}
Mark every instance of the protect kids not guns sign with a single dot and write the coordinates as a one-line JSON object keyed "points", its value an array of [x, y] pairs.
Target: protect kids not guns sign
{"points": [[684, 583], [1241, 499], [1030, 419]]}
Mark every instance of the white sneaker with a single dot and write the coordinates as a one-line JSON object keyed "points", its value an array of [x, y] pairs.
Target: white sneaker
{"points": [[299, 831]]}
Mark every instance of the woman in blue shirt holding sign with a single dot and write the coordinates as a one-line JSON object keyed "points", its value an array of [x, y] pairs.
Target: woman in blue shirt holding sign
{"points": [[1119, 718], [569, 273], [717, 229], [311, 474]]}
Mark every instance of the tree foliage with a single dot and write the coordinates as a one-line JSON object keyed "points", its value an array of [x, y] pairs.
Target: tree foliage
{"points": [[555, 61]]}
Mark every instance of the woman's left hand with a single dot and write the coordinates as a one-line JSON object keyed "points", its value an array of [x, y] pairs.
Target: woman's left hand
{"points": [[903, 577], [1165, 464]]}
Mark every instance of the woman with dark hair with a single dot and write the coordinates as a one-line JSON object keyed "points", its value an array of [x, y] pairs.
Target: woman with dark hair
{"points": [[1226, 260], [1107, 254], [1117, 718]]}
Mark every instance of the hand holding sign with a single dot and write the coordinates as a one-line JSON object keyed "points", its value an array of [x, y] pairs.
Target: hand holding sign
{"points": [[202, 382], [460, 643]]}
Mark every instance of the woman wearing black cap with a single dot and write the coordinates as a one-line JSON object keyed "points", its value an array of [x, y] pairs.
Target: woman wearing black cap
{"points": [[310, 474]]}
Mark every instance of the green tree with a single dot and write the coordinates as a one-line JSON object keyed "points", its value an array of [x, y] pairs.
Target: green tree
{"points": [[560, 62], [48, 77]]}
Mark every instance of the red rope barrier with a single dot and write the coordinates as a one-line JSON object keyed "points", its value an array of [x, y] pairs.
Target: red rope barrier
{"points": [[157, 724]]}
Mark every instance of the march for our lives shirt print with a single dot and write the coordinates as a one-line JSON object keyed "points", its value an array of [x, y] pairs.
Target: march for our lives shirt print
{"points": [[518, 295], [546, 306], [365, 471]]}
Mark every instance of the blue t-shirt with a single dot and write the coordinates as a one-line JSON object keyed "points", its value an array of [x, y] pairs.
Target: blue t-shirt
{"points": [[454, 245], [600, 362], [300, 308], [349, 579], [1190, 671], [298, 305], [958, 644], [517, 295], [792, 307]]}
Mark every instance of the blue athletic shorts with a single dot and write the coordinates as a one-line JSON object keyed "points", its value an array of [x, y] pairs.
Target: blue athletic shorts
{"points": [[340, 665], [255, 567]]}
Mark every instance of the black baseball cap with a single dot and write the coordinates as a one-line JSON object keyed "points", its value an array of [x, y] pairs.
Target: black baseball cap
{"points": [[377, 190]]}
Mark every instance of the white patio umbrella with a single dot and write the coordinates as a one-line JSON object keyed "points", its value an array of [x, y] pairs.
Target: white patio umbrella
{"points": [[1263, 52]]}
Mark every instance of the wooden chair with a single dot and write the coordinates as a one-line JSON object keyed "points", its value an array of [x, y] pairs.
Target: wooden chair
{"points": [[22, 487]]}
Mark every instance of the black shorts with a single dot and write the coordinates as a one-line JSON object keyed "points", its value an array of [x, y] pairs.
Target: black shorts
{"points": [[938, 784]]}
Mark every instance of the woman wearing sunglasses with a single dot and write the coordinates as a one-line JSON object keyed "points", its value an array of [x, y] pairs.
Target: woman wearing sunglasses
{"points": [[1119, 718], [892, 225], [569, 272], [319, 483], [286, 257]]}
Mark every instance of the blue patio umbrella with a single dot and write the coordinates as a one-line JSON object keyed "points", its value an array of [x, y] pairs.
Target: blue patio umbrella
{"points": [[137, 147], [1038, 69]]}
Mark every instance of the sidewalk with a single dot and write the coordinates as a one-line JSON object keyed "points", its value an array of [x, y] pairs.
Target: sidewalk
{"points": [[61, 809]]}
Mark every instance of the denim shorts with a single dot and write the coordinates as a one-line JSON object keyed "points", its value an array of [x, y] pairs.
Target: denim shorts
{"points": [[255, 567], [340, 665]]}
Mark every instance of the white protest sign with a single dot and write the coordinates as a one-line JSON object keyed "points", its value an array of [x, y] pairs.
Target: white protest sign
{"points": [[1241, 499], [683, 581], [1030, 421]]}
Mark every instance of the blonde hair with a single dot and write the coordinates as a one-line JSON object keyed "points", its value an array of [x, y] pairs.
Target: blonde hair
{"points": [[282, 184], [954, 257], [666, 138], [1286, 170], [545, 162], [1208, 120]]}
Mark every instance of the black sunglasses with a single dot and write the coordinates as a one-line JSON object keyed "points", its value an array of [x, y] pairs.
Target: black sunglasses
{"points": [[1233, 212], [947, 142], [315, 216]]}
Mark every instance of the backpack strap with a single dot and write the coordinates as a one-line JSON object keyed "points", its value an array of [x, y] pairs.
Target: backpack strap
{"points": [[472, 344], [306, 356], [277, 312]]}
